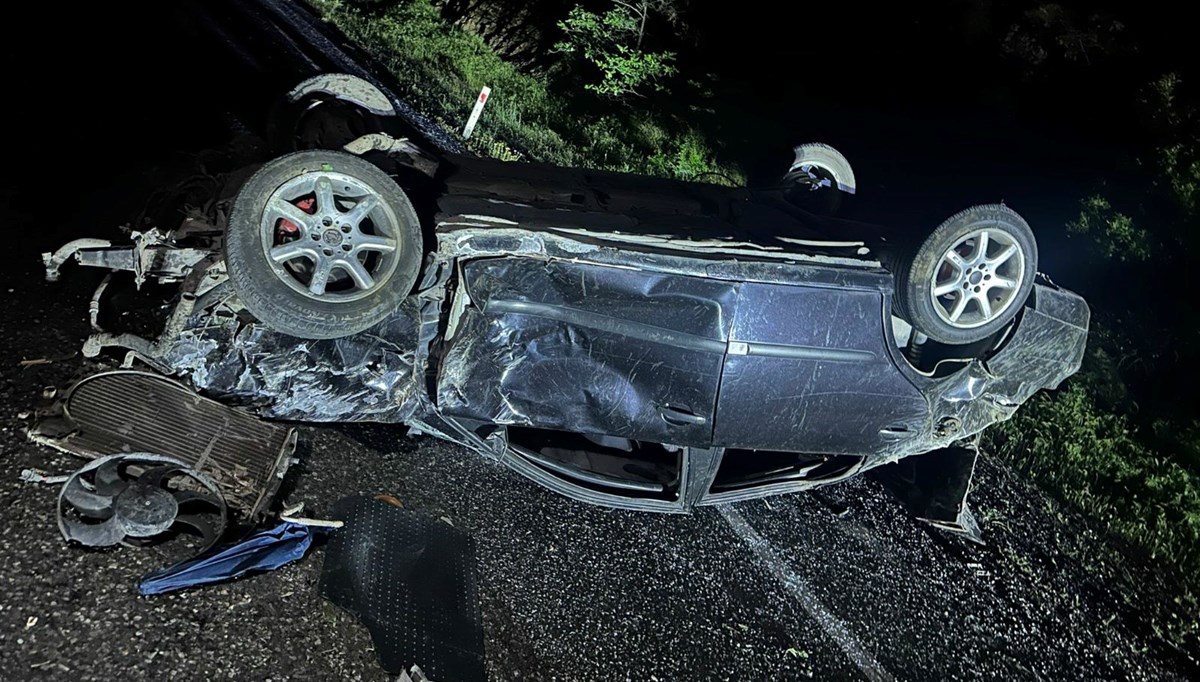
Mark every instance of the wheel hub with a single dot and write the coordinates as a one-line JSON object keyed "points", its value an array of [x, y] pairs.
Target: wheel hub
{"points": [[978, 278], [349, 246], [332, 238], [145, 510]]}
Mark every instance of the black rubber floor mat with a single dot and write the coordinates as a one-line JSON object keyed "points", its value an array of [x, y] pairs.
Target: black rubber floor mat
{"points": [[411, 581], [130, 411]]}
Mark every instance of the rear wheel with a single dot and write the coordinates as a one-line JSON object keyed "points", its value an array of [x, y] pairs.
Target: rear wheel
{"points": [[322, 244], [970, 277], [818, 178]]}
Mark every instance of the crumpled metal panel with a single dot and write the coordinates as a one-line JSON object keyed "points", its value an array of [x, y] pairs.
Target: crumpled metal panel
{"points": [[588, 349], [377, 375], [1046, 346], [934, 487]]}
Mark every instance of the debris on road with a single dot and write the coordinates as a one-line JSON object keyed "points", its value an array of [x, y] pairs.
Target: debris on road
{"points": [[37, 476], [289, 515], [390, 499], [138, 500], [413, 674], [261, 552], [427, 612], [133, 411], [934, 487]]}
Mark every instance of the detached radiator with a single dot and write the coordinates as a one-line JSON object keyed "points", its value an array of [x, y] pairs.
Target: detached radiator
{"points": [[133, 411]]}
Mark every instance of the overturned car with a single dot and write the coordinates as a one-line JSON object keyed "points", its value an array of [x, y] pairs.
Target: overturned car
{"points": [[627, 341]]}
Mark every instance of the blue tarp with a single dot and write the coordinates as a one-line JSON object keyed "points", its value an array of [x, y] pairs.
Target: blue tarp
{"points": [[264, 551]]}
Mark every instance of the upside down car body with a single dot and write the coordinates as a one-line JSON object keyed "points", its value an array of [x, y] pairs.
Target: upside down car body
{"points": [[628, 341]]}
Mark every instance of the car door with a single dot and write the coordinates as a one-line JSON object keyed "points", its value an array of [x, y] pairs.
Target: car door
{"points": [[809, 370], [587, 348]]}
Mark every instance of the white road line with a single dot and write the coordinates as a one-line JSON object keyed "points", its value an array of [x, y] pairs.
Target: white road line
{"points": [[798, 588]]}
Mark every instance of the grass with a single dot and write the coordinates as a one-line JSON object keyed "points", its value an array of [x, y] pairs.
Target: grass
{"points": [[441, 69]]}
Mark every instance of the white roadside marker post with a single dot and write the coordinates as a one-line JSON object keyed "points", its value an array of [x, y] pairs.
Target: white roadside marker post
{"points": [[483, 96]]}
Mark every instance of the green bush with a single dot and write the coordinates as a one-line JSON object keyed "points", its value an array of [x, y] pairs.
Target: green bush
{"points": [[1113, 232], [441, 68], [612, 44]]}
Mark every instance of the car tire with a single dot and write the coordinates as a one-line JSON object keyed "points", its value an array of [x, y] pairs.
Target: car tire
{"points": [[953, 291], [322, 244], [818, 178]]}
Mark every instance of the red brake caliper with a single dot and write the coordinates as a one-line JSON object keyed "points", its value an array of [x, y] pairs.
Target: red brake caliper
{"points": [[286, 227]]}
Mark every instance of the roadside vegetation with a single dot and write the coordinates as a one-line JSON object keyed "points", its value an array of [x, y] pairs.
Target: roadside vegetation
{"points": [[607, 112], [1120, 441]]}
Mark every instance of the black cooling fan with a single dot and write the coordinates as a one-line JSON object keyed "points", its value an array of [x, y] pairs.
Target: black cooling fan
{"points": [[139, 500]]}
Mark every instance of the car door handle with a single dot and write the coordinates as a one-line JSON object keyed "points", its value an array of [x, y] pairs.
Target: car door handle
{"points": [[680, 416]]}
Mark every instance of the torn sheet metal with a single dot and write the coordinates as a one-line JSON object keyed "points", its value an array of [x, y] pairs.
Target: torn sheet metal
{"points": [[377, 375], [129, 411], [411, 581]]}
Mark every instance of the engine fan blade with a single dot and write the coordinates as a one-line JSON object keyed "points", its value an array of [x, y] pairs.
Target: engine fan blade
{"points": [[103, 534], [108, 478], [183, 497], [209, 531], [87, 503], [157, 475]]}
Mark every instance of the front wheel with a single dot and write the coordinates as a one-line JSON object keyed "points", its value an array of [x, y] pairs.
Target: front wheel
{"points": [[322, 244], [970, 277]]}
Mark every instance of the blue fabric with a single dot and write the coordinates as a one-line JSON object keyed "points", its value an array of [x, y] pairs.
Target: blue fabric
{"points": [[264, 551]]}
